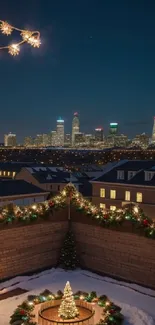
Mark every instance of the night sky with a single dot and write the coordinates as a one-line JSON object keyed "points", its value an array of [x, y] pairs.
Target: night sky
{"points": [[97, 57]]}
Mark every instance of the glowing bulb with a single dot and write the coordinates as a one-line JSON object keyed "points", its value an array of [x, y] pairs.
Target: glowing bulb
{"points": [[14, 49], [81, 297], [63, 192], [6, 28], [107, 303], [26, 35], [30, 303], [34, 41], [34, 207], [136, 209]]}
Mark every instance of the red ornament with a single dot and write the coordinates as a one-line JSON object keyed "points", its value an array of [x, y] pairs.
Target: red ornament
{"points": [[51, 203], [22, 312], [111, 311], [145, 222], [105, 216]]}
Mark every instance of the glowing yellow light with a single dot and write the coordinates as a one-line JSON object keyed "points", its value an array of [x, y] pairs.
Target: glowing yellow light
{"points": [[26, 35], [30, 303], [107, 303], [136, 209], [34, 207], [63, 192], [81, 297], [6, 28], [34, 41], [14, 49]]}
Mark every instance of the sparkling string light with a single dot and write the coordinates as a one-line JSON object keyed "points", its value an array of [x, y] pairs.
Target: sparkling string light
{"points": [[30, 37]]}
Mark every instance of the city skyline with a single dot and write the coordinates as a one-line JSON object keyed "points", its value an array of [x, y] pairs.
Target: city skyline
{"points": [[97, 60]]}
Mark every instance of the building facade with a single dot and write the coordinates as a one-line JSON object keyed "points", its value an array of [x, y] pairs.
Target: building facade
{"points": [[75, 127], [10, 140], [127, 183], [60, 133]]}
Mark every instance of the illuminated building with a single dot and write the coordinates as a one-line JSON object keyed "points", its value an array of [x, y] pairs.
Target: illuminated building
{"points": [[60, 133], [113, 128], [54, 138], [10, 140], [67, 139], [79, 138], [153, 132], [38, 140], [46, 140], [28, 142], [75, 127], [141, 140], [99, 134]]}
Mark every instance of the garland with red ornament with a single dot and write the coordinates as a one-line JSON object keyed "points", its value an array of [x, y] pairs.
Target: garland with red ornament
{"points": [[106, 218], [24, 313]]}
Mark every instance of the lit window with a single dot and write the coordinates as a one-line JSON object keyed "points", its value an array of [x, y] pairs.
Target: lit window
{"points": [[139, 197], [102, 192], [14, 173], [112, 208], [0, 173], [3, 173], [8, 173], [127, 195], [113, 194], [102, 206]]}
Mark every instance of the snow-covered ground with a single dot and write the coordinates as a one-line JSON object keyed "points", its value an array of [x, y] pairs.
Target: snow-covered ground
{"points": [[137, 303]]}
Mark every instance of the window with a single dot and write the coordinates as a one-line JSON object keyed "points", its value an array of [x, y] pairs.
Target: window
{"points": [[3, 173], [51, 187], [8, 173], [102, 192], [139, 197], [112, 208], [120, 174], [127, 195], [102, 206], [113, 194], [14, 174], [131, 174], [0, 173], [148, 176]]}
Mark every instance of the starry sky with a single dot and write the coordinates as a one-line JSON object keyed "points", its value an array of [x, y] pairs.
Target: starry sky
{"points": [[97, 57]]}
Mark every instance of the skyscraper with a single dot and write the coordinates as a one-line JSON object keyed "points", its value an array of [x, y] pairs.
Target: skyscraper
{"points": [[99, 134], [75, 127], [153, 131], [113, 128], [10, 140], [60, 132]]}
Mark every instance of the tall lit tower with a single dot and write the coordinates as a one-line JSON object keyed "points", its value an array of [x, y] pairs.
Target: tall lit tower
{"points": [[153, 131], [113, 128], [60, 132], [75, 127]]}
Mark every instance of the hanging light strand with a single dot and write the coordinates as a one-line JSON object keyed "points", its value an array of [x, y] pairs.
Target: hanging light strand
{"points": [[30, 37]]}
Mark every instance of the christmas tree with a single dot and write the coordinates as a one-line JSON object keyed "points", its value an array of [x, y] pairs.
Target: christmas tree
{"points": [[68, 308], [68, 257]]}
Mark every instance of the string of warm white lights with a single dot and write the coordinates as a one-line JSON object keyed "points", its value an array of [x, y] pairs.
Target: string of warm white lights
{"points": [[30, 37]]}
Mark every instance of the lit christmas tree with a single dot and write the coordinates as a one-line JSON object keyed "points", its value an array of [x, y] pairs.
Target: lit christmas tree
{"points": [[68, 258], [68, 309]]}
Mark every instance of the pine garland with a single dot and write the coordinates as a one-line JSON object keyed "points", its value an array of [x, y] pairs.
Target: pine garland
{"points": [[24, 312], [135, 216]]}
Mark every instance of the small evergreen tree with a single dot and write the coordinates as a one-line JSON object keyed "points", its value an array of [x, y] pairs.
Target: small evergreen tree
{"points": [[68, 257], [68, 309]]}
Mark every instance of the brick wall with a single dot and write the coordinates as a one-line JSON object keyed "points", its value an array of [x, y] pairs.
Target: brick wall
{"points": [[121, 254], [29, 248]]}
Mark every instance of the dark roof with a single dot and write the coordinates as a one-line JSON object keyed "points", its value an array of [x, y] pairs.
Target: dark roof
{"points": [[17, 166], [138, 166], [17, 187]]}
